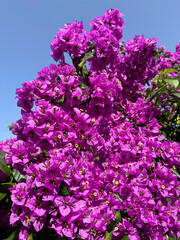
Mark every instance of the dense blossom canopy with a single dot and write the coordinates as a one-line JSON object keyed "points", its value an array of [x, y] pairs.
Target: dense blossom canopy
{"points": [[89, 143]]}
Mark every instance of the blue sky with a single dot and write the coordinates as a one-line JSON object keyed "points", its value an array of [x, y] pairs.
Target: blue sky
{"points": [[27, 27]]}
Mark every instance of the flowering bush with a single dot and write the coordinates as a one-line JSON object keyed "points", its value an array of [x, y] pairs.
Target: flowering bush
{"points": [[89, 159]]}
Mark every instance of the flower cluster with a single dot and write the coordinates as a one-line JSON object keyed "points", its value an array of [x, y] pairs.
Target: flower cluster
{"points": [[106, 33], [72, 39], [92, 148]]}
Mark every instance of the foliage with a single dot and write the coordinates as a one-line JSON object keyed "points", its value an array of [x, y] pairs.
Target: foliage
{"points": [[165, 93]]}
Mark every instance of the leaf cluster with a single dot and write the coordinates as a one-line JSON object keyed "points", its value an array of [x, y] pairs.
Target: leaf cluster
{"points": [[165, 94]]}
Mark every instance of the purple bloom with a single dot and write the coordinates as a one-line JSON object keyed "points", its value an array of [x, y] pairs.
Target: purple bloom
{"points": [[89, 140], [38, 221], [72, 39], [23, 234], [19, 194]]}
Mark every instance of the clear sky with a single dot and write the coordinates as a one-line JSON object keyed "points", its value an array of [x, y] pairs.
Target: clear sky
{"points": [[27, 27]]}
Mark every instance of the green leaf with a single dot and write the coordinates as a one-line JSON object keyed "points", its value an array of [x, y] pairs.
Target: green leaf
{"points": [[169, 70], [17, 176], [125, 237], [91, 46], [10, 127], [13, 236], [45, 154], [118, 217], [173, 82], [63, 191], [33, 236], [111, 226], [2, 196], [156, 79], [91, 149], [108, 236], [157, 92], [87, 55], [3, 165], [176, 173], [82, 86], [177, 94], [177, 66], [169, 200], [62, 99], [84, 72], [118, 197]]}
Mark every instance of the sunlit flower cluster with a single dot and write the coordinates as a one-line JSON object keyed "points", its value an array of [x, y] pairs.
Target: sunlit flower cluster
{"points": [[91, 148]]}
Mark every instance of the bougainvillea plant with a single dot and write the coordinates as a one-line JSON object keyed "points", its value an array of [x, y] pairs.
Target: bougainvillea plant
{"points": [[96, 153]]}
